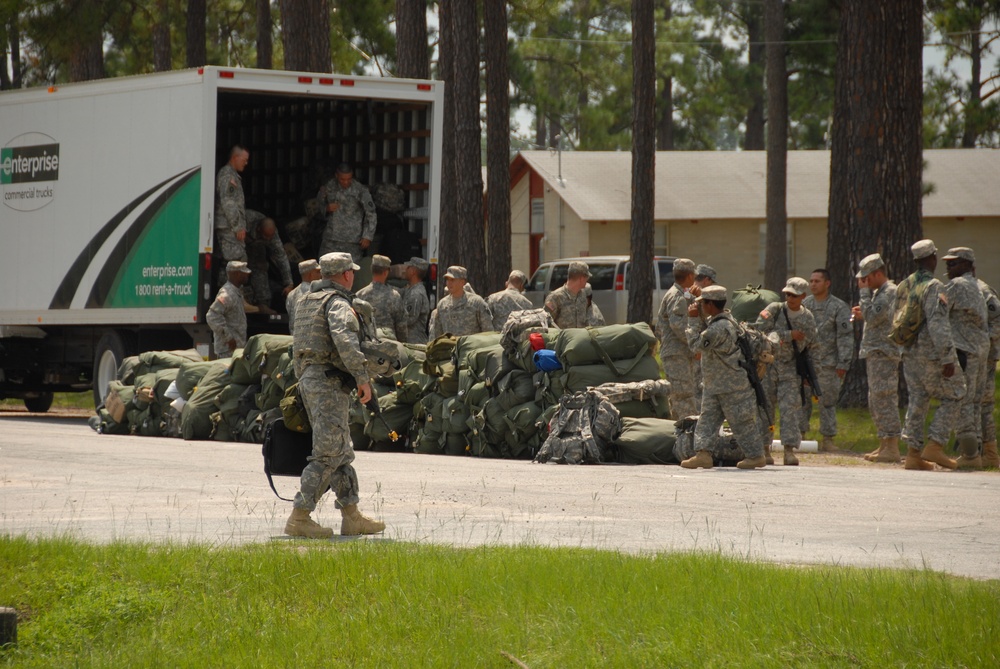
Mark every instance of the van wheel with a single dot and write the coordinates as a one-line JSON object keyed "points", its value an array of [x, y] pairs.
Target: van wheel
{"points": [[111, 350], [39, 403]]}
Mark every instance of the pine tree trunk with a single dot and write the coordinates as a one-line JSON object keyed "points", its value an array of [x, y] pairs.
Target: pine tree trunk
{"points": [[5, 82], [161, 37], [754, 138], [875, 162], [86, 60], [497, 144], [640, 296], [320, 54], [665, 125], [196, 50], [265, 42], [448, 251], [305, 35], [973, 108], [412, 61], [775, 257]]}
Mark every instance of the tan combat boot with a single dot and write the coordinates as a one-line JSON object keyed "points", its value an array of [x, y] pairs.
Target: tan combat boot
{"points": [[768, 458], [991, 458], [700, 460], [790, 459], [934, 452], [301, 525], [752, 463], [827, 445], [914, 461], [969, 459], [356, 523], [888, 450]]}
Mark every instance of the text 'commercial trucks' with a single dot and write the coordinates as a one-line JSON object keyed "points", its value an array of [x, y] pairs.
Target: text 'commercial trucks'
{"points": [[108, 202]]}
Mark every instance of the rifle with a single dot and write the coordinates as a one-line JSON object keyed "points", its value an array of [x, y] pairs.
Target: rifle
{"points": [[803, 366], [750, 368]]}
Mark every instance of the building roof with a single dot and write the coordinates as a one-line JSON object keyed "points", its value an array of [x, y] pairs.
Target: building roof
{"points": [[707, 185]]}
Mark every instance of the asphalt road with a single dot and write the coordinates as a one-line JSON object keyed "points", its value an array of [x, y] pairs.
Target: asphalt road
{"points": [[58, 477]]}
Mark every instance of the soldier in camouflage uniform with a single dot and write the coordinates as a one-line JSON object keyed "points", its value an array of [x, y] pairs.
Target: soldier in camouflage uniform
{"points": [[388, 305], [991, 458], [230, 207], [676, 356], [831, 355], [328, 360], [459, 312], [568, 304], [727, 391], [878, 299], [970, 332], [594, 316], [504, 302], [264, 248], [787, 322], [704, 275], [920, 326], [415, 301], [350, 214], [226, 317], [309, 271]]}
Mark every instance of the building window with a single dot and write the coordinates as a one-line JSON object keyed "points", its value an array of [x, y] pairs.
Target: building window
{"points": [[789, 247], [538, 216]]}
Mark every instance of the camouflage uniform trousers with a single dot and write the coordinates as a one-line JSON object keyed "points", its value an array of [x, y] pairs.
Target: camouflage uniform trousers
{"points": [[740, 409], [970, 422], [924, 381], [988, 423], [231, 249], [782, 387], [829, 384], [883, 394], [331, 246], [328, 407], [680, 371]]}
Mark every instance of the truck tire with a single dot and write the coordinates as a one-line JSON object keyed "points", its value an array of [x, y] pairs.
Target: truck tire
{"points": [[39, 403], [112, 348]]}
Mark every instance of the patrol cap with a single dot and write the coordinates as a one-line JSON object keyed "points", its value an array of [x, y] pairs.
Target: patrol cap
{"points": [[456, 272], [923, 249], [588, 290], [683, 265], [715, 292], [237, 266], [336, 263], [703, 270], [869, 264], [796, 286], [960, 253], [308, 266], [418, 262], [578, 268], [381, 262], [518, 276]]}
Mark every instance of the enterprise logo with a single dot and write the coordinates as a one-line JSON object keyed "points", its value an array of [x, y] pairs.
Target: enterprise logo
{"points": [[29, 170]]}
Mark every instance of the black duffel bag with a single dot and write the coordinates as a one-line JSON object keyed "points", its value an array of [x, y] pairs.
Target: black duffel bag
{"points": [[286, 452]]}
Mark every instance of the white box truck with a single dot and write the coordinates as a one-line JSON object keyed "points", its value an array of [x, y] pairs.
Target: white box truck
{"points": [[106, 221]]}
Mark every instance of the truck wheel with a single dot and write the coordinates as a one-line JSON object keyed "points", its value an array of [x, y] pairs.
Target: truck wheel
{"points": [[38, 404], [110, 352]]}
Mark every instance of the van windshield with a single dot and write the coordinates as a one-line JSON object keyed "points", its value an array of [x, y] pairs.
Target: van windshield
{"points": [[537, 281]]}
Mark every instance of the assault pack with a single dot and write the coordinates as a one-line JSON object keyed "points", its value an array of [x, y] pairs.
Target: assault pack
{"points": [[582, 430]]}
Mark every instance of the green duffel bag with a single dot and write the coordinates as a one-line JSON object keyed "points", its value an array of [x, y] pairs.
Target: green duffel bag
{"points": [[108, 425], [476, 396], [447, 383], [221, 431], [746, 304], [522, 431], [428, 442], [455, 444], [645, 441], [482, 444], [581, 377], [126, 370], [229, 405], [608, 344], [653, 407], [467, 345], [515, 388], [262, 353], [454, 414], [396, 416], [196, 422], [549, 387], [439, 352], [412, 383], [190, 375], [359, 439], [154, 361], [240, 370], [485, 364], [428, 410], [118, 401]]}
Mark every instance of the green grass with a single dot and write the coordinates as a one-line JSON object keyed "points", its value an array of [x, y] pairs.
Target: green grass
{"points": [[84, 400], [380, 604]]}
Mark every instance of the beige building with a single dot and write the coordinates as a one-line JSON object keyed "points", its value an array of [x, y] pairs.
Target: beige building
{"points": [[710, 206]]}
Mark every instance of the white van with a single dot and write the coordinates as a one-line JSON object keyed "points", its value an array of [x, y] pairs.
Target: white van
{"points": [[610, 282]]}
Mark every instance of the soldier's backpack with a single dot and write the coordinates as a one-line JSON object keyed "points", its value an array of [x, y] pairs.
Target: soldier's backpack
{"points": [[907, 322], [581, 431], [293, 410], [520, 322]]}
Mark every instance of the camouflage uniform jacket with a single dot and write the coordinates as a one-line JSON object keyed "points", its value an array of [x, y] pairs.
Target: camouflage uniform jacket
{"points": [[834, 332], [260, 251], [292, 301], [934, 337], [772, 322], [230, 205], [464, 316], [418, 308], [968, 315], [992, 317], [227, 319], [594, 316], [388, 305], [672, 322], [720, 353], [328, 332], [567, 311], [876, 310], [354, 220], [503, 303]]}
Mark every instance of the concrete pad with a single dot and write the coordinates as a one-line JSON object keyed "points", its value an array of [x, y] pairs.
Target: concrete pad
{"points": [[59, 477]]}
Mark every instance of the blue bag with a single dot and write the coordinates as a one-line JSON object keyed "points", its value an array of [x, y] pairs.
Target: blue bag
{"points": [[546, 361]]}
